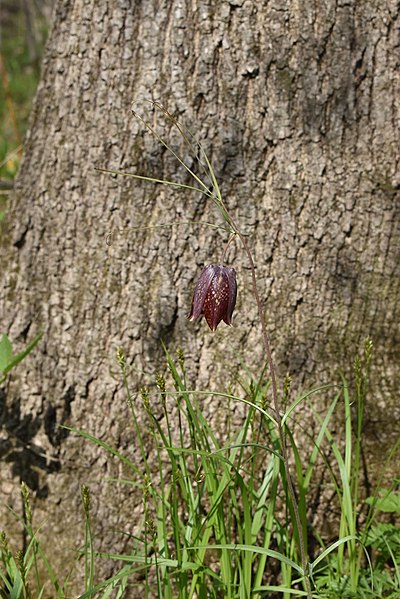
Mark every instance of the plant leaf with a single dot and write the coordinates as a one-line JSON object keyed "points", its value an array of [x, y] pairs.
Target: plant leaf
{"points": [[13, 360], [389, 503], [6, 353]]}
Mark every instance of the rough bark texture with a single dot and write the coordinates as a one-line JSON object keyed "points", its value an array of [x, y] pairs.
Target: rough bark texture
{"points": [[297, 105]]}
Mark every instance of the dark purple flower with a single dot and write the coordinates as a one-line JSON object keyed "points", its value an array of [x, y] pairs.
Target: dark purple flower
{"points": [[215, 295]]}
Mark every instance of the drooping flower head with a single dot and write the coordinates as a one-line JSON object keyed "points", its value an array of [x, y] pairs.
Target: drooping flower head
{"points": [[215, 295]]}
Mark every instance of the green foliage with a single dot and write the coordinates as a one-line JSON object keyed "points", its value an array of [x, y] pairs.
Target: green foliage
{"points": [[367, 565], [20, 76], [19, 573], [8, 359], [218, 521], [21, 48]]}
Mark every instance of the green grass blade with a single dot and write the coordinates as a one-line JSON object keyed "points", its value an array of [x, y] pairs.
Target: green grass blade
{"points": [[331, 548], [153, 180], [303, 397], [255, 549], [107, 447]]}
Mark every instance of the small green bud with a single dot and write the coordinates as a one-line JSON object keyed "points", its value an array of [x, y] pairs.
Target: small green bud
{"points": [[85, 492], [286, 385], [357, 370], [19, 559], [25, 499], [4, 543], [160, 382], [120, 357], [264, 403], [146, 487], [181, 358], [152, 529], [144, 393], [286, 389], [368, 347], [129, 401]]}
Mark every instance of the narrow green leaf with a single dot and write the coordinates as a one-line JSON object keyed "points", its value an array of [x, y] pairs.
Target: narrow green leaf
{"points": [[297, 401], [255, 549], [282, 589], [332, 548], [21, 355], [105, 446], [6, 353], [152, 180]]}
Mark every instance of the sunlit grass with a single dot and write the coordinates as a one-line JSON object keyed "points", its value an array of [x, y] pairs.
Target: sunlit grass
{"points": [[217, 521]]}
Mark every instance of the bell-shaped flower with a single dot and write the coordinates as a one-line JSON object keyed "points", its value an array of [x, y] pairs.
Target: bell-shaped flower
{"points": [[215, 295]]}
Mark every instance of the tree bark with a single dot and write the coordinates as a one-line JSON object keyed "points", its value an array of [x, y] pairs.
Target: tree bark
{"points": [[297, 106]]}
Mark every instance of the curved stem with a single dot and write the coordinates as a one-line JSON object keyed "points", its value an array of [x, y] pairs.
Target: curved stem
{"points": [[228, 243], [281, 432]]}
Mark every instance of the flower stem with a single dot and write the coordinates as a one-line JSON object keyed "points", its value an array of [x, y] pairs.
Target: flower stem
{"points": [[228, 243], [281, 432]]}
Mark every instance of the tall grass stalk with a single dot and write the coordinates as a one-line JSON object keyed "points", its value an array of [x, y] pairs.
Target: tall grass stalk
{"points": [[89, 549]]}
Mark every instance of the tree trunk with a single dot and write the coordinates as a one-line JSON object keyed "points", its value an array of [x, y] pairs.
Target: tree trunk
{"points": [[297, 106]]}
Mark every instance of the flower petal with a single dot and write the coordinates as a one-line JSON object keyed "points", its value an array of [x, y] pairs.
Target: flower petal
{"points": [[200, 292], [231, 277], [217, 298]]}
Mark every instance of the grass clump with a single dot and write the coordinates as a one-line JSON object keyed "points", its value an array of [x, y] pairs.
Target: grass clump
{"points": [[217, 518]]}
